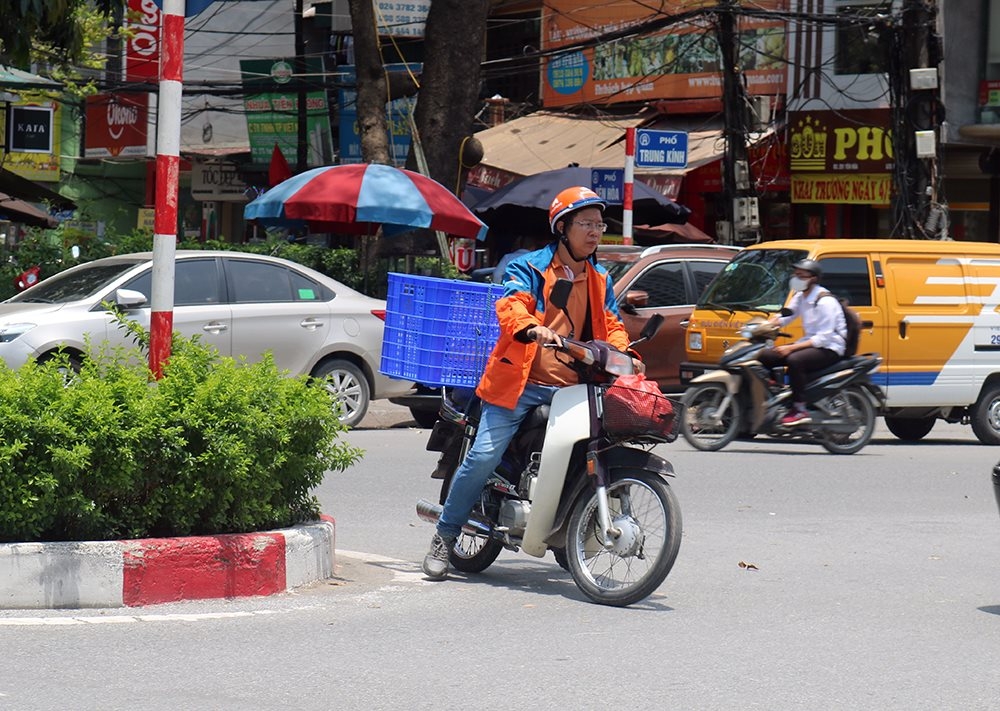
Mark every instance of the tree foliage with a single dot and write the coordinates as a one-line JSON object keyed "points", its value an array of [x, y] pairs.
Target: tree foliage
{"points": [[59, 25], [447, 100]]}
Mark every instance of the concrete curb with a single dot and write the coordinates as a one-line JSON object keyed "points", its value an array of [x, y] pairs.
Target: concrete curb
{"points": [[156, 570]]}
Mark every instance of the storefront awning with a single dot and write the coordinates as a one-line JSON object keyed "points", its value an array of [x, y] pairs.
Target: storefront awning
{"points": [[547, 140], [15, 210], [17, 80], [13, 185]]}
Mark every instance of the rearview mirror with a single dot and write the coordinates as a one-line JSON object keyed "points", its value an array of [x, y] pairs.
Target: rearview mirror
{"points": [[129, 299], [559, 296], [651, 327]]}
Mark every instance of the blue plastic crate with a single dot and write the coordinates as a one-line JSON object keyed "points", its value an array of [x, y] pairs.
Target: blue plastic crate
{"points": [[439, 331]]}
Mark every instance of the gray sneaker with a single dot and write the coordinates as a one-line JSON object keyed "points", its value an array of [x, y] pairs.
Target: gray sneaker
{"points": [[436, 560]]}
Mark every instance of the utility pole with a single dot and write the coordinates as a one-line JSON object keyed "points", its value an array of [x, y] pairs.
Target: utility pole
{"points": [[913, 84], [302, 152], [740, 213]]}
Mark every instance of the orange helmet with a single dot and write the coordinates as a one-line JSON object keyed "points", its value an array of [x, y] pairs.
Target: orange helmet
{"points": [[572, 199]]}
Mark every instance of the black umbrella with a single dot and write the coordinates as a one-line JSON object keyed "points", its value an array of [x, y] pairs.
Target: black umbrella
{"points": [[522, 206]]}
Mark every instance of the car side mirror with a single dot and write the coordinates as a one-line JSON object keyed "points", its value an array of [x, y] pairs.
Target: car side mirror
{"points": [[129, 299], [637, 298]]}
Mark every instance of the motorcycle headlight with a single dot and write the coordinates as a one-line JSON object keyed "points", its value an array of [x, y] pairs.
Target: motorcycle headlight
{"points": [[618, 364], [12, 331]]}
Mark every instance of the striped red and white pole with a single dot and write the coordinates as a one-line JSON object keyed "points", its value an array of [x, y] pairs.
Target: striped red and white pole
{"points": [[168, 159], [629, 179]]}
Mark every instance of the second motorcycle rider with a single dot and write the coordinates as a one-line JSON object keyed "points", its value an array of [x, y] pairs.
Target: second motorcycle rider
{"points": [[520, 374], [822, 344]]}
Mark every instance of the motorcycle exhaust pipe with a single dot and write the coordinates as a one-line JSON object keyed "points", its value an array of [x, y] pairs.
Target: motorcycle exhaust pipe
{"points": [[430, 512]]}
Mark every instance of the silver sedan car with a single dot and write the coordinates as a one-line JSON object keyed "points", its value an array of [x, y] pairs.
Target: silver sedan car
{"points": [[242, 304]]}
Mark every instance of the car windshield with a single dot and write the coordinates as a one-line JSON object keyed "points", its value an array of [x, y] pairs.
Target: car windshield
{"points": [[615, 267], [755, 280], [74, 285]]}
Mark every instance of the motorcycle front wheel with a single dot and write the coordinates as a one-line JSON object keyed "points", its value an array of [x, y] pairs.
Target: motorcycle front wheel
{"points": [[705, 425], [622, 570], [851, 405]]}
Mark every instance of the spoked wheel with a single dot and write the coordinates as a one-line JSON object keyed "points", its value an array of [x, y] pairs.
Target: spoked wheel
{"points": [[624, 569], [472, 553], [561, 558], [708, 423], [853, 406]]}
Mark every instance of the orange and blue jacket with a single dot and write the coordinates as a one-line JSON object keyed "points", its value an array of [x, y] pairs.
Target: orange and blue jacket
{"points": [[529, 282]]}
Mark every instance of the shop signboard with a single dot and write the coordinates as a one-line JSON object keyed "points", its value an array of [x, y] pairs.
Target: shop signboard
{"points": [[142, 42], [217, 181], [32, 133], [271, 107], [116, 126], [605, 62], [401, 19], [397, 114], [841, 157]]}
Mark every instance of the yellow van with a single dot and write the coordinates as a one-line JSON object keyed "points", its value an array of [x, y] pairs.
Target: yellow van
{"points": [[931, 309]]}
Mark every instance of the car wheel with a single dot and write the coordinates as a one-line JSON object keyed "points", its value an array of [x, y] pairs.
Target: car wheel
{"points": [[910, 429], [348, 387], [985, 416]]}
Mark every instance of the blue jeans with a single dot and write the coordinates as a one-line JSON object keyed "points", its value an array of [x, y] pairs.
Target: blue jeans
{"points": [[497, 427]]}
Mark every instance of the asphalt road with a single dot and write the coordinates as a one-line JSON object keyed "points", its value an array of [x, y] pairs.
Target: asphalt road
{"points": [[804, 581]]}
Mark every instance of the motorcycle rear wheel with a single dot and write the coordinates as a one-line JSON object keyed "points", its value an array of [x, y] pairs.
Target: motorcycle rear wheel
{"points": [[701, 409], [474, 554], [851, 403], [644, 508], [471, 554]]}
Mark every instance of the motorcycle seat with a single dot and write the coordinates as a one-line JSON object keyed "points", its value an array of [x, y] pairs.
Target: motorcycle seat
{"points": [[850, 362]]}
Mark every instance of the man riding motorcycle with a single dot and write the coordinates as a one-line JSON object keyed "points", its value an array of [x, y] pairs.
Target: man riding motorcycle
{"points": [[824, 340], [520, 374]]}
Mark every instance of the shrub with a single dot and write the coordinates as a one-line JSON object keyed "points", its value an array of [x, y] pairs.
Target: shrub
{"points": [[215, 446]]}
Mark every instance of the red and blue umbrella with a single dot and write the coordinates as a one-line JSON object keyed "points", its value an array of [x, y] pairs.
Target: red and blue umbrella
{"points": [[361, 197]]}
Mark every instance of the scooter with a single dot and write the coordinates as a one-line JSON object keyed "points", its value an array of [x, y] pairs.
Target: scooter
{"points": [[578, 479], [742, 398]]}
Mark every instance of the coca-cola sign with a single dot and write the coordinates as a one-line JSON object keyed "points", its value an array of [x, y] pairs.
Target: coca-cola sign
{"points": [[142, 52], [116, 126]]}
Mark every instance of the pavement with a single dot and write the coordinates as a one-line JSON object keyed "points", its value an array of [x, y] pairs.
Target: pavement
{"points": [[134, 573]]}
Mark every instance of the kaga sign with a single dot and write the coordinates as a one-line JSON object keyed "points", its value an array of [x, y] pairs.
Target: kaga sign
{"points": [[30, 129]]}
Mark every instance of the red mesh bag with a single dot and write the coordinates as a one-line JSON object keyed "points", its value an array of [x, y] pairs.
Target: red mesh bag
{"points": [[635, 407]]}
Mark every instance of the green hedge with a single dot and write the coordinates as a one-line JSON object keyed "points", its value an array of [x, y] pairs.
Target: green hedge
{"points": [[215, 446]]}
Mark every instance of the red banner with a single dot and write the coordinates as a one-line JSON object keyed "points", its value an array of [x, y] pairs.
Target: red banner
{"points": [[143, 49], [116, 125]]}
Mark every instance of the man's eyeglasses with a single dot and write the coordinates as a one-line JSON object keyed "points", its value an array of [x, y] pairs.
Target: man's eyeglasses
{"points": [[597, 226]]}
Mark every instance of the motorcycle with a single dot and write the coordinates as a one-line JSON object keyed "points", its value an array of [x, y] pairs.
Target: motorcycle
{"points": [[744, 398], [577, 479]]}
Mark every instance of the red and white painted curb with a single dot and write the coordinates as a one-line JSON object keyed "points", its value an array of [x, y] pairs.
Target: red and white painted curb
{"points": [[149, 571]]}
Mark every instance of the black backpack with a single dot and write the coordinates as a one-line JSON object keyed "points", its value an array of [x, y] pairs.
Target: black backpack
{"points": [[853, 321]]}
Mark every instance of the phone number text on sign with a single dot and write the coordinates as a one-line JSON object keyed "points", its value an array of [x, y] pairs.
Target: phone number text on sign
{"points": [[402, 19]]}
